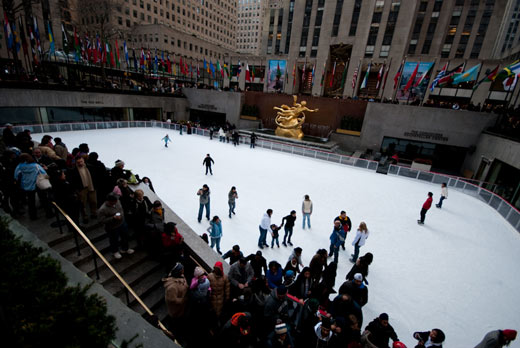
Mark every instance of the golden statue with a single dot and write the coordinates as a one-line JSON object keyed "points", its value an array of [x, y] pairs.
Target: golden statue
{"points": [[290, 119]]}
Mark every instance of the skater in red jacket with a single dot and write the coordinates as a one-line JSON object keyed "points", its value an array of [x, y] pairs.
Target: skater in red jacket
{"points": [[427, 205]]}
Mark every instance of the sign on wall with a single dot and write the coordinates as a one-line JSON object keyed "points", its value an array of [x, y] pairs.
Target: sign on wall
{"points": [[276, 75], [420, 82]]}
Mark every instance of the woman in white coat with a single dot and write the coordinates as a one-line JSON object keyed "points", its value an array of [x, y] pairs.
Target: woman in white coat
{"points": [[359, 241]]}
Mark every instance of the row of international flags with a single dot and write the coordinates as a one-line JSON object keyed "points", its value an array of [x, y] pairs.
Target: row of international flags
{"points": [[96, 50]]}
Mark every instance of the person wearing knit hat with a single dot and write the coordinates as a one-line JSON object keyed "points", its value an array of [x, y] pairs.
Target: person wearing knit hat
{"points": [[176, 293], [280, 337], [198, 272], [177, 270], [497, 339], [433, 338], [220, 288]]}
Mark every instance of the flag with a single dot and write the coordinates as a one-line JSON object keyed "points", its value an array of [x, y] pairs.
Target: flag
{"points": [[219, 69], [111, 51], [344, 75], [365, 79], [448, 77], [239, 70], [198, 70], [439, 76], [423, 76], [125, 49], [181, 66], [212, 68], [510, 70], [37, 34], [386, 74], [8, 32], [64, 40], [332, 75], [380, 75], [354, 78], [398, 75], [117, 55], [162, 61], [168, 63], [510, 82], [142, 59], [312, 75], [490, 76], [33, 45], [252, 73], [52, 48], [303, 72], [174, 66], [77, 47], [226, 70], [278, 71], [468, 75], [155, 62], [134, 58], [248, 73], [22, 38], [16, 37], [412, 78], [205, 65]]}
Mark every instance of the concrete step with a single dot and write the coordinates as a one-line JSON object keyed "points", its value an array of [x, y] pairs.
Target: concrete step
{"points": [[124, 265], [154, 299], [150, 285], [134, 275], [68, 246]]}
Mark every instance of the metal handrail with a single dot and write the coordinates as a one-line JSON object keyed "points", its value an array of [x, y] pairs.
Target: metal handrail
{"points": [[112, 269]]}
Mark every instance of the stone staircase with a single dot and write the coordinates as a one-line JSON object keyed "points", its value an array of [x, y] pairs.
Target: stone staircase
{"points": [[141, 272]]}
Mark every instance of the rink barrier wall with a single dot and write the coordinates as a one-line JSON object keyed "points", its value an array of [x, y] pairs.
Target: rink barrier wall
{"points": [[465, 185]]}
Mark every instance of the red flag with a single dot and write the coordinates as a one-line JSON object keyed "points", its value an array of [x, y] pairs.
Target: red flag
{"points": [[181, 66], [332, 75], [410, 81], [380, 75], [248, 73], [398, 75], [141, 60]]}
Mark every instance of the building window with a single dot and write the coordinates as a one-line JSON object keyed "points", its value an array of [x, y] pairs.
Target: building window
{"points": [[369, 51], [355, 18], [445, 53], [412, 47], [337, 16], [384, 51], [426, 46]]}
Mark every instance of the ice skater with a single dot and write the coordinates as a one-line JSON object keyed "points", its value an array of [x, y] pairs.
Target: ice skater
{"points": [[306, 211], [337, 237], [204, 193], [207, 162], [215, 232], [253, 140], [444, 195], [346, 224], [166, 139], [426, 206], [232, 196], [359, 241], [288, 223], [265, 224], [275, 234]]}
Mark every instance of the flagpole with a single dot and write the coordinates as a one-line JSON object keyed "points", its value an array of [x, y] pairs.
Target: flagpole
{"points": [[399, 80], [476, 80], [382, 80], [409, 90]]}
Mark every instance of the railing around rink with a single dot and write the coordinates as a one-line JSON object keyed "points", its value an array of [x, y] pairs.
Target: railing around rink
{"points": [[467, 186]]}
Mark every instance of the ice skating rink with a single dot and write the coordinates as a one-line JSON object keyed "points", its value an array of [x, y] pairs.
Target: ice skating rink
{"points": [[459, 272]]}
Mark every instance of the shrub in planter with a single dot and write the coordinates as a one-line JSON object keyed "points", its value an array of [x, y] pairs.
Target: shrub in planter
{"points": [[39, 309]]}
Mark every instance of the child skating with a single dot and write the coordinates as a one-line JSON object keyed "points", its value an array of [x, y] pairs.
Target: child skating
{"points": [[426, 206], [166, 139]]}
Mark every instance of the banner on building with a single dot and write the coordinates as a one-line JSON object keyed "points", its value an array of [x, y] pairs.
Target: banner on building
{"points": [[276, 76], [417, 90]]}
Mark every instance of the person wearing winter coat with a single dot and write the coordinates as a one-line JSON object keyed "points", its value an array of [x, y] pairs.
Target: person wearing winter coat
{"points": [[204, 201], [232, 196], [65, 196], [171, 243], [497, 339], [280, 337], [426, 206], [303, 286], [259, 264], [26, 174], [274, 275], [234, 254], [359, 241], [207, 162], [288, 223], [297, 253], [140, 208], [277, 306], [82, 181], [324, 336], [220, 287], [429, 339], [275, 234], [444, 194], [380, 332], [337, 238], [253, 140], [306, 211], [240, 276], [264, 226], [176, 291], [343, 306], [361, 266], [200, 287], [318, 261], [355, 289], [215, 232], [221, 135], [61, 149], [292, 265], [346, 224], [166, 140], [236, 138], [112, 216], [237, 332]]}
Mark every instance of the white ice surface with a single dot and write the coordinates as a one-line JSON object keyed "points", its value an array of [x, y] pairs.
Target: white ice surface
{"points": [[457, 272]]}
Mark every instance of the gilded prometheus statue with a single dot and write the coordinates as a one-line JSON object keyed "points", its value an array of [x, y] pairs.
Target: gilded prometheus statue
{"points": [[289, 119]]}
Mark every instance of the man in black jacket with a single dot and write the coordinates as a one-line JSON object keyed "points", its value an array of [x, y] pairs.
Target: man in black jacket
{"points": [[259, 263], [355, 289], [381, 331], [207, 162], [288, 223]]}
